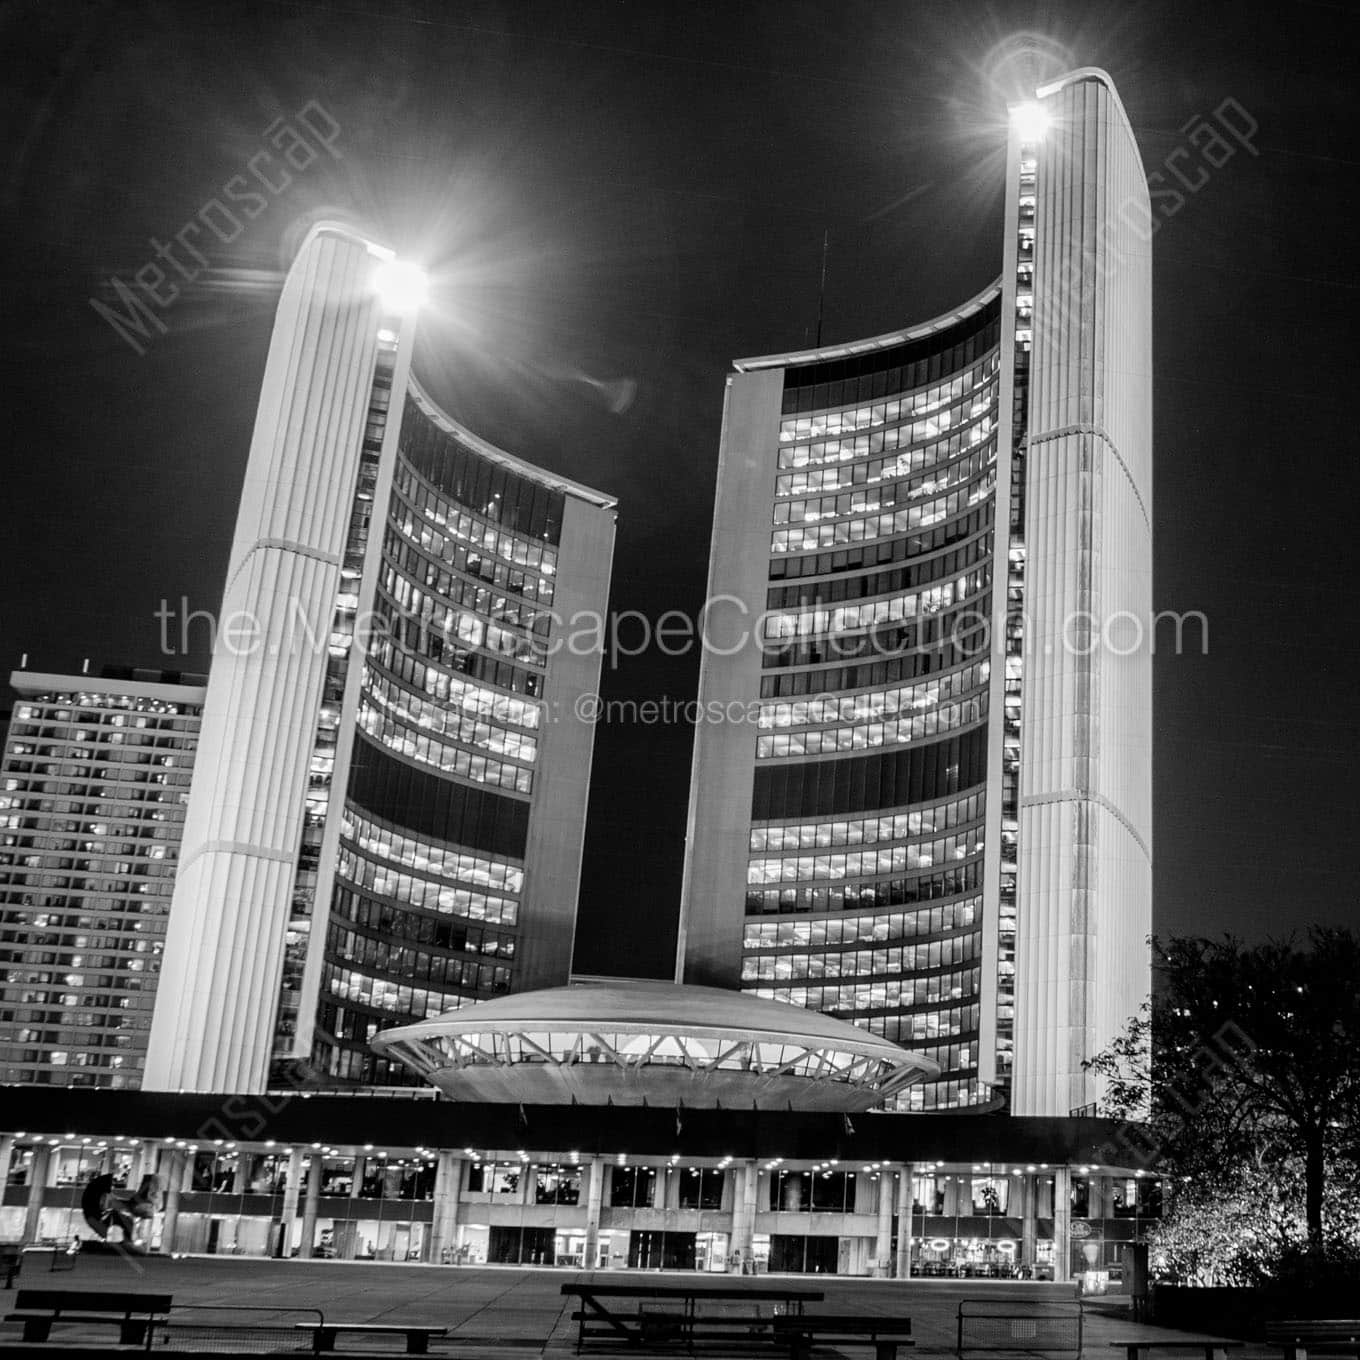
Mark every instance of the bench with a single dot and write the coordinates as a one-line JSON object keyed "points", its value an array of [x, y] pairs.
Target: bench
{"points": [[669, 1313], [801, 1334], [324, 1333], [1328, 1336], [661, 1327], [1213, 1350], [135, 1315]]}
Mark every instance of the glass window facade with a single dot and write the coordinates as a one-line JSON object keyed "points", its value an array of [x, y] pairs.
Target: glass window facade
{"points": [[869, 796], [426, 909]]}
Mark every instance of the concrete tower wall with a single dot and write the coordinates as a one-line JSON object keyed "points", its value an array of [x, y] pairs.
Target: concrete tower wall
{"points": [[220, 974], [1086, 781]]}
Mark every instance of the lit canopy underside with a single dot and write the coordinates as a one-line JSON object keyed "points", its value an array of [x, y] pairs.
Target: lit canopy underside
{"points": [[653, 1043]]}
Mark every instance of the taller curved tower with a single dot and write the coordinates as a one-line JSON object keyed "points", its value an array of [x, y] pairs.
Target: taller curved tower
{"points": [[921, 798], [388, 809]]}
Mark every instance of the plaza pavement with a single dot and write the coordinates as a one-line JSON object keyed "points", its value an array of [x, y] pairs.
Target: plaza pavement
{"points": [[491, 1310]]}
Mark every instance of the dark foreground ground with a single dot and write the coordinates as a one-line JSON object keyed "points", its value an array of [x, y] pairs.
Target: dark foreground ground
{"points": [[493, 1310]]}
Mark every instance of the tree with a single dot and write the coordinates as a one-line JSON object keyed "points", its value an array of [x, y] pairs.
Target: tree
{"points": [[1247, 1057]]}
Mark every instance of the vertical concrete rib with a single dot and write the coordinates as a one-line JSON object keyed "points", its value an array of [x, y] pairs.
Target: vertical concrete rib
{"points": [[1085, 806], [214, 1015]]}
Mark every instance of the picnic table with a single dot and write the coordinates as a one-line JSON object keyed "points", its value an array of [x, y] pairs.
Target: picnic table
{"points": [[610, 1309]]}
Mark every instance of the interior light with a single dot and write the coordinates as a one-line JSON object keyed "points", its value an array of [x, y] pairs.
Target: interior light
{"points": [[401, 286], [1031, 120]]}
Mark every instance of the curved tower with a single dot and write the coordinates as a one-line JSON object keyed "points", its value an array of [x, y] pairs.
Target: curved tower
{"points": [[384, 823], [921, 798]]}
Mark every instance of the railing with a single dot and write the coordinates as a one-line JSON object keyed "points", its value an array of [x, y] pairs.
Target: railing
{"points": [[1007, 1325], [274, 1330]]}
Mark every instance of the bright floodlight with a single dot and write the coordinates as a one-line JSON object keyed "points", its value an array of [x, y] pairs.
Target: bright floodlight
{"points": [[401, 286], [1030, 119]]}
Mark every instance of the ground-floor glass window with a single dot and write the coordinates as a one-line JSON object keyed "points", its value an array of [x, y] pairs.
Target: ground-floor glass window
{"points": [[792, 1253]]}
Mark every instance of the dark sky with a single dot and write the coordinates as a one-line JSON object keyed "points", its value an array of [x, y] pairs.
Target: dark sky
{"points": [[633, 191]]}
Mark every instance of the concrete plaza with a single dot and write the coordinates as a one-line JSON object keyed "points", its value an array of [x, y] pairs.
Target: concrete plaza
{"points": [[490, 1309]]}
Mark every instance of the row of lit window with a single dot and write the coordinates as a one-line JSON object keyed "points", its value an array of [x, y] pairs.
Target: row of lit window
{"points": [[125, 783], [869, 584], [466, 724], [398, 954], [821, 508], [27, 977], [415, 927], [871, 613], [452, 636], [861, 447], [151, 840], [122, 898], [123, 954], [365, 953], [865, 863], [939, 1095], [56, 936], [442, 614], [906, 463], [62, 707], [88, 1011], [895, 892], [112, 746], [876, 704], [455, 760], [419, 673], [923, 514], [460, 701], [118, 820], [880, 928], [459, 526], [98, 801], [849, 998], [795, 428], [917, 1025], [395, 998], [421, 856], [147, 878], [861, 963], [420, 892], [865, 556], [145, 855], [867, 736], [423, 597], [471, 561], [114, 916], [725, 1053], [951, 1058]]}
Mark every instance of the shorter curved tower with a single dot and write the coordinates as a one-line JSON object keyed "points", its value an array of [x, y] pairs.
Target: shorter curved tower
{"points": [[387, 817]]}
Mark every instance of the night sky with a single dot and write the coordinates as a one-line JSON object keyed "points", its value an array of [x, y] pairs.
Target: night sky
{"points": [[616, 199]]}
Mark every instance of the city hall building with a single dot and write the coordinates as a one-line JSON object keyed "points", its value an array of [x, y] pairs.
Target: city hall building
{"points": [[917, 888]]}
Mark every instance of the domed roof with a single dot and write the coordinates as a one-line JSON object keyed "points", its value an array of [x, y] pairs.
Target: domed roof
{"points": [[650, 1004], [635, 1041]]}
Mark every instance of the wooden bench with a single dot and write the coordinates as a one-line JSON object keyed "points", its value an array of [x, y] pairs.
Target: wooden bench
{"points": [[135, 1315], [801, 1334], [1326, 1336], [324, 1333], [1213, 1350]]}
